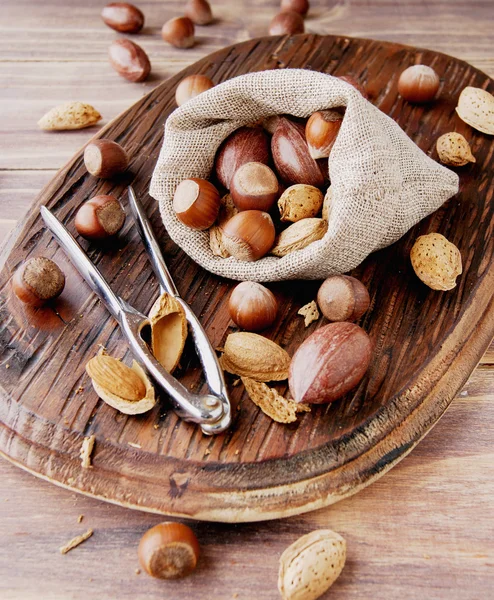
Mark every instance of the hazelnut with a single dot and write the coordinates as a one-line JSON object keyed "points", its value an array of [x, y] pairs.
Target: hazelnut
{"points": [[37, 281], [286, 23], [329, 363], [105, 158], [299, 6], [254, 187], [123, 17], [354, 83], [192, 86], [249, 235], [252, 306], [196, 203], [343, 298], [179, 32], [247, 144], [168, 550], [321, 131], [291, 155], [129, 60], [99, 218], [199, 12], [418, 83]]}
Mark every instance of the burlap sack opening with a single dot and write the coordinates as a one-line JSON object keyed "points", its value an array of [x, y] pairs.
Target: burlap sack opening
{"points": [[382, 183]]}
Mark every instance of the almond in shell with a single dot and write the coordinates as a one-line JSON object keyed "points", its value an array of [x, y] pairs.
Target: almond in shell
{"points": [[453, 149], [168, 331], [299, 235], [71, 115], [311, 565], [126, 389], [436, 261], [476, 108], [300, 201], [254, 356]]}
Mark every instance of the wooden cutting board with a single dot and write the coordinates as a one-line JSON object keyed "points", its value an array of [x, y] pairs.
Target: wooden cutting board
{"points": [[426, 343]]}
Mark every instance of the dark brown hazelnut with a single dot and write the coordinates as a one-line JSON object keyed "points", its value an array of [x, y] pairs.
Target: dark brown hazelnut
{"points": [[299, 6], [343, 298], [37, 281], [99, 218], [287, 23], [123, 17], [105, 158], [199, 12], [179, 32], [196, 203], [254, 187], [190, 87], [129, 60]]}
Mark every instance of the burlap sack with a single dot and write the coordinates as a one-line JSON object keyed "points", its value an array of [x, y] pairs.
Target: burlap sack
{"points": [[382, 183]]}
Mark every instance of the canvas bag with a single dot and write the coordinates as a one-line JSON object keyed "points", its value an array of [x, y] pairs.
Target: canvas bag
{"points": [[381, 182]]}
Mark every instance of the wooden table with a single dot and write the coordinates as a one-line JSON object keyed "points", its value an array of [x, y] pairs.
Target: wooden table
{"points": [[424, 530]]}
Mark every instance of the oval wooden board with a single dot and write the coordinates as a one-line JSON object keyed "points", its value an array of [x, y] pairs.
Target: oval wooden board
{"points": [[427, 343]]}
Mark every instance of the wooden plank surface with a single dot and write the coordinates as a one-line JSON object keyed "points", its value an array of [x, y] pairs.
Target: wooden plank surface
{"points": [[436, 542]]}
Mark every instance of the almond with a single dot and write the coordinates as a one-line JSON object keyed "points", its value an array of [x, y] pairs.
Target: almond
{"points": [[273, 404], [168, 331], [453, 149], [326, 205], [72, 115], [436, 261], [299, 236], [254, 356], [476, 108], [311, 565], [300, 201]]}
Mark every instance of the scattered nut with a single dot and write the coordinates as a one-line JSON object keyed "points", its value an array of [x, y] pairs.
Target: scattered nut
{"points": [[311, 565], [329, 363], [199, 12], [300, 201], [105, 158], [100, 218], [418, 83], [87, 448], [71, 115], [476, 108], [123, 17], [254, 356], [287, 23], [190, 87], [168, 331], [168, 551], [436, 261], [252, 306], [179, 32], [299, 235], [273, 404], [453, 149], [37, 281], [129, 60], [309, 312], [123, 388], [227, 211], [343, 298]]}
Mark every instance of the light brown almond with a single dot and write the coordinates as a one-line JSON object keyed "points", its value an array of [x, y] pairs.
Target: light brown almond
{"points": [[71, 115], [476, 107], [117, 378], [168, 331], [299, 235], [453, 149], [436, 261], [254, 356]]}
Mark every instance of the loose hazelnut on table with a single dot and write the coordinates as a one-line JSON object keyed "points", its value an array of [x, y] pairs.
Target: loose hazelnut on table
{"points": [[192, 86], [169, 551], [105, 158], [199, 12], [100, 218], [286, 23], [254, 187], [129, 60], [249, 235], [123, 17], [343, 298], [179, 32], [247, 144], [196, 203], [38, 280], [299, 6], [252, 306], [418, 84]]}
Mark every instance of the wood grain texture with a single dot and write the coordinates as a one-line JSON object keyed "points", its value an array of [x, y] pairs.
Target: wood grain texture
{"points": [[259, 469], [419, 532]]}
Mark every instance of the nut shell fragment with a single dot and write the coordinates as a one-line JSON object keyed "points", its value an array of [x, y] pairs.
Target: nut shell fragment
{"points": [[309, 312], [436, 261], [453, 149], [299, 236], [168, 331], [273, 404], [476, 108], [71, 115], [254, 356], [311, 565]]}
